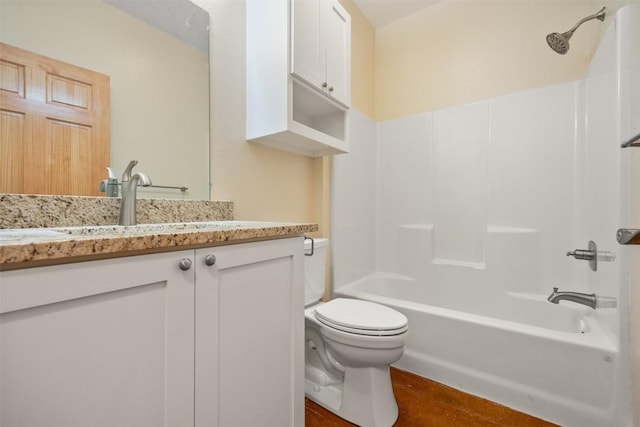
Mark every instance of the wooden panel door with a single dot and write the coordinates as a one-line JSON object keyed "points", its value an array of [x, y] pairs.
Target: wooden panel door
{"points": [[101, 343], [54, 125]]}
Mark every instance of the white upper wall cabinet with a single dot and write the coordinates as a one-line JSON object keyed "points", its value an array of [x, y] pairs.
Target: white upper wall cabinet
{"points": [[321, 47], [298, 75], [339, 53], [309, 47]]}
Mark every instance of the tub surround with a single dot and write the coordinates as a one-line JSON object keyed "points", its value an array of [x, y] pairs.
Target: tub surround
{"points": [[35, 211], [501, 247], [46, 230]]}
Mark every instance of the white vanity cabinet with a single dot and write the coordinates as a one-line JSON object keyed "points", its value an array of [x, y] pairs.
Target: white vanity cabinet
{"points": [[321, 46], [100, 343], [298, 64], [249, 351], [171, 339]]}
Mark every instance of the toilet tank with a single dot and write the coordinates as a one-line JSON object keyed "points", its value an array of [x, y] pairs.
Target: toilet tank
{"points": [[314, 270]]}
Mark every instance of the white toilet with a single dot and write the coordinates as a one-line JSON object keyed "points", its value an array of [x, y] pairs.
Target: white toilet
{"points": [[349, 346]]}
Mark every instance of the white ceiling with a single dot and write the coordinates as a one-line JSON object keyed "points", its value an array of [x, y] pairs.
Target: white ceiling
{"points": [[179, 18], [381, 12]]}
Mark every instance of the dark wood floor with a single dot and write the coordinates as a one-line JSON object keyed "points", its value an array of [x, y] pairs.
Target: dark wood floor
{"points": [[425, 403]]}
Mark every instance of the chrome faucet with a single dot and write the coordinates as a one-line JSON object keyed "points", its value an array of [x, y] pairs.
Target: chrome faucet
{"points": [[126, 176], [129, 194], [590, 300]]}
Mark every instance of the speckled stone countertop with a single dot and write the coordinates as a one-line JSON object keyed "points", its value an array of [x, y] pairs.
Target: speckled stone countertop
{"points": [[46, 230], [31, 247]]}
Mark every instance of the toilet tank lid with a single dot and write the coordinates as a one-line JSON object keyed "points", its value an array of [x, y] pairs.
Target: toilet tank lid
{"points": [[319, 242]]}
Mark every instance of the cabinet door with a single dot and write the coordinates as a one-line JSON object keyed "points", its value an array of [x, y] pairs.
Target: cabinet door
{"points": [[308, 42], [102, 343], [338, 56], [250, 355]]}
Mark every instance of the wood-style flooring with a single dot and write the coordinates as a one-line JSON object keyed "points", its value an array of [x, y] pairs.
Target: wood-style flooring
{"points": [[425, 403]]}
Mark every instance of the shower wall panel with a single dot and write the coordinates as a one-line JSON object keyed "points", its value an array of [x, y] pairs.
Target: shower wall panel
{"points": [[600, 174], [532, 173], [505, 162], [354, 203], [405, 181], [461, 137]]}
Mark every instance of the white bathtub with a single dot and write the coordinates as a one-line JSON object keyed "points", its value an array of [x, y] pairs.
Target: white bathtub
{"points": [[551, 361]]}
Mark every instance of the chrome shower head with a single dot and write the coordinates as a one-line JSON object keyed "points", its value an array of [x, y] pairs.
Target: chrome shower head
{"points": [[560, 42]]}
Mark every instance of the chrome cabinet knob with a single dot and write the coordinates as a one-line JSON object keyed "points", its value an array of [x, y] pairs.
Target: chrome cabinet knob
{"points": [[185, 264], [324, 85], [210, 260], [331, 89]]}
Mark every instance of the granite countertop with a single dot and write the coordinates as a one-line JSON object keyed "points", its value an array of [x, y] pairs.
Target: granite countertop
{"points": [[31, 247]]}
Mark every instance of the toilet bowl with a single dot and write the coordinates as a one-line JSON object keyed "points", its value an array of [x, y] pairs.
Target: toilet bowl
{"points": [[350, 345]]}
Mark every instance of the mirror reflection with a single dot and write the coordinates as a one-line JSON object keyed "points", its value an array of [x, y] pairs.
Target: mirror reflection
{"points": [[155, 54]]}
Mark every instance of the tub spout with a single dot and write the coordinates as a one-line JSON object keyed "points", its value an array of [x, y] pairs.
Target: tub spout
{"points": [[590, 300]]}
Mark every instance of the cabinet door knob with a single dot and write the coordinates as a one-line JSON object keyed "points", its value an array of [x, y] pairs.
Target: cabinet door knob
{"points": [[210, 260], [331, 89], [324, 85], [185, 264]]}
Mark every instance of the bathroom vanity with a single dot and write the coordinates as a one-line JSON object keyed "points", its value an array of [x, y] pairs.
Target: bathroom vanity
{"points": [[207, 332]]}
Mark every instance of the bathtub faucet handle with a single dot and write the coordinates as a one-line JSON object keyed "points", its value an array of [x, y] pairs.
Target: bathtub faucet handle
{"points": [[590, 255], [582, 254]]}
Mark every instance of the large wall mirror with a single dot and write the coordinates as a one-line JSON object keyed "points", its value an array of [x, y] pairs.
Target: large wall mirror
{"points": [[156, 55]]}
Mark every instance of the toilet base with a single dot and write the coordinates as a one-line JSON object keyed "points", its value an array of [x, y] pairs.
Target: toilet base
{"points": [[365, 398]]}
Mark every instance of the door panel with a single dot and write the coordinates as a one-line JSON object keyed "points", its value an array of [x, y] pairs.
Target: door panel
{"points": [[307, 39], [12, 126], [339, 52], [250, 333], [63, 140]]}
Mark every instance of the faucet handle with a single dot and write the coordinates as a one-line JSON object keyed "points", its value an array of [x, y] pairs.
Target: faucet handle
{"points": [[582, 254], [126, 175]]}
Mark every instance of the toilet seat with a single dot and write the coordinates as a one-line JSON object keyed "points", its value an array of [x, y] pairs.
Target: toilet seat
{"points": [[361, 317]]}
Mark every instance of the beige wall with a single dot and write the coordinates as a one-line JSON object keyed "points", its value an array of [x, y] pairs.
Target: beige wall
{"points": [[362, 61], [457, 52]]}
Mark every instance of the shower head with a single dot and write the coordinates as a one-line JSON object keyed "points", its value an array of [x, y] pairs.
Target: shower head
{"points": [[560, 42]]}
